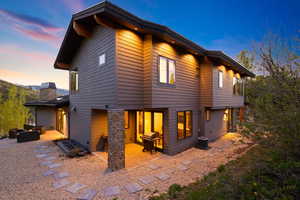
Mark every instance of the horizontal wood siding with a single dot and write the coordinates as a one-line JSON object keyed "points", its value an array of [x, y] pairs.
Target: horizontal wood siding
{"points": [[97, 84], [206, 83], [216, 126], [148, 68], [224, 96], [46, 117], [174, 144], [130, 70], [185, 92]]}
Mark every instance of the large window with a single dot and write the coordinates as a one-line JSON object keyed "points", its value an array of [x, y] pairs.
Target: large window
{"points": [[220, 79], [184, 124], [238, 87], [166, 70], [73, 81]]}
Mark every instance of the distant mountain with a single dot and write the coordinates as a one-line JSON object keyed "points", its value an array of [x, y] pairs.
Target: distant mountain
{"points": [[30, 94], [59, 91]]}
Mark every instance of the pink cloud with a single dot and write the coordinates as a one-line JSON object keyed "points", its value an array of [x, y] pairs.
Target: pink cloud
{"points": [[33, 27], [39, 35]]}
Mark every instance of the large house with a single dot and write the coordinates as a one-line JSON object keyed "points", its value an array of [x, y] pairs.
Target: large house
{"points": [[130, 77]]}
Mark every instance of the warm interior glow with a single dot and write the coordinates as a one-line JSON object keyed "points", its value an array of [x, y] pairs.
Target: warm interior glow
{"points": [[231, 73], [222, 68], [237, 75]]}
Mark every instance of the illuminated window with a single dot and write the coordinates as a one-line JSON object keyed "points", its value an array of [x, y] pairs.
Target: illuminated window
{"points": [[74, 81], [102, 59], [207, 115], [166, 70], [126, 119], [238, 86], [220, 78], [184, 124]]}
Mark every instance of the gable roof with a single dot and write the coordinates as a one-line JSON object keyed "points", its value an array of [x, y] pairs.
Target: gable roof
{"points": [[117, 16]]}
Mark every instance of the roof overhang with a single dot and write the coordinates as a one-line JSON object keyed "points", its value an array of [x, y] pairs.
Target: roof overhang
{"points": [[223, 59], [107, 14]]}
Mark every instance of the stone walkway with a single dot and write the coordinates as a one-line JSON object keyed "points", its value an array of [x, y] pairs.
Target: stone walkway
{"points": [[49, 175]]}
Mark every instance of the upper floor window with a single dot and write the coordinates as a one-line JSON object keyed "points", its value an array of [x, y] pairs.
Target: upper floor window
{"points": [[220, 79], [238, 88], [184, 124], [166, 70], [102, 59], [74, 81]]}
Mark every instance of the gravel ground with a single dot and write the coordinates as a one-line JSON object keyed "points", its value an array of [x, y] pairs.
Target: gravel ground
{"points": [[21, 175]]}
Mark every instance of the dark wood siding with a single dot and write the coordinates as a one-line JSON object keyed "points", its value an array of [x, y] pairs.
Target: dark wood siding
{"points": [[206, 83], [97, 84], [130, 70], [185, 92], [224, 96]]}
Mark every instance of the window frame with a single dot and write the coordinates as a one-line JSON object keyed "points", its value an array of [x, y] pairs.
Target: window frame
{"points": [[238, 87], [219, 79], [167, 71], [76, 89], [126, 119], [207, 115], [185, 136], [102, 54]]}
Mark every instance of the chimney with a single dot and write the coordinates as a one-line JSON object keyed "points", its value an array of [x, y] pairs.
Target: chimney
{"points": [[47, 91]]}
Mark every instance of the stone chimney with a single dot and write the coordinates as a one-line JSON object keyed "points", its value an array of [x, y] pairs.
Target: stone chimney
{"points": [[48, 91]]}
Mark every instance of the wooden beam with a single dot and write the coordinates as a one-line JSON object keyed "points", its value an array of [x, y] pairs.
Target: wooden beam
{"points": [[81, 30], [103, 22], [63, 65]]}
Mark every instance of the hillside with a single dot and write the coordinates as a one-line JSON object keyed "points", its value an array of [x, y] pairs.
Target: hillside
{"points": [[4, 87]]}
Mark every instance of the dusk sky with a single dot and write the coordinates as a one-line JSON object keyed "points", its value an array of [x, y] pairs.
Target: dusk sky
{"points": [[31, 31]]}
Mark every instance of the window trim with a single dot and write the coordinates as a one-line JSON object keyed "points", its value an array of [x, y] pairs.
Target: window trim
{"points": [[240, 82], [219, 85], [184, 125], [102, 54], [126, 122], [167, 74], [207, 115], [76, 82]]}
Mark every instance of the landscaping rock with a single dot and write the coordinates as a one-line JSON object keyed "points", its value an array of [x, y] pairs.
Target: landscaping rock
{"points": [[162, 176], [88, 194], [75, 187], [133, 187], [61, 175], [49, 172], [147, 179], [61, 183], [111, 191], [54, 165]]}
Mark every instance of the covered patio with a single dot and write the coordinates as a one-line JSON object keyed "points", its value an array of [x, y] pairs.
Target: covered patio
{"points": [[134, 155]]}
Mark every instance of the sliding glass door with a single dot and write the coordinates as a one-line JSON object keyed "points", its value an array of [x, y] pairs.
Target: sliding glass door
{"points": [[147, 123]]}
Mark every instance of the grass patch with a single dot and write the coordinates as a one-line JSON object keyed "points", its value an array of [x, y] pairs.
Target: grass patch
{"points": [[259, 174]]}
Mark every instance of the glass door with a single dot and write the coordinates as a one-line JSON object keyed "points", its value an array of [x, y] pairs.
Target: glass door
{"points": [[147, 123]]}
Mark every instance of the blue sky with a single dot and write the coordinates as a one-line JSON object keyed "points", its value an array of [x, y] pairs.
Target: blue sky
{"points": [[31, 30]]}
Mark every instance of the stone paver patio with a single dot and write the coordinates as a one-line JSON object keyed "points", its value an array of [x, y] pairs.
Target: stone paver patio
{"points": [[87, 177]]}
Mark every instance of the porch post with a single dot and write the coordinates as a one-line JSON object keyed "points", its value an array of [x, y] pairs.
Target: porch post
{"points": [[116, 139]]}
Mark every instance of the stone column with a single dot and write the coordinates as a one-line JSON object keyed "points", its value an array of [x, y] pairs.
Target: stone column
{"points": [[116, 139]]}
